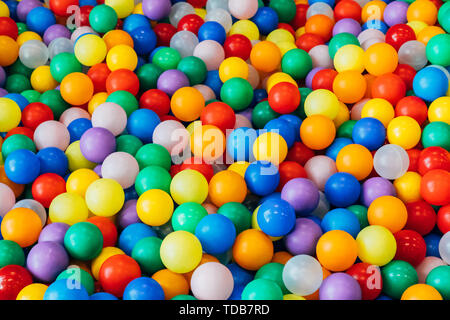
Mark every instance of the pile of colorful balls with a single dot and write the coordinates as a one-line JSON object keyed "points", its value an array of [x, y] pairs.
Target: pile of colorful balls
{"points": [[225, 149]]}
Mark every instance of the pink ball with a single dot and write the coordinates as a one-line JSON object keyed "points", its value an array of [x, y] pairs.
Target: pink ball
{"points": [[111, 116], [355, 113], [319, 169], [8, 199], [212, 281], [72, 114], [172, 135], [428, 264], [210, 208], [253, 77], [320, 57], [370, 34], [207, 92], [242, 121], [122, 167], [243, 9], [211, 52], [51, 134]]}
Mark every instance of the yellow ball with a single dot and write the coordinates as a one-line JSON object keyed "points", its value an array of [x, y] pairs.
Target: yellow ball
{"points": [[68, 208], [404, 131], [80, 180], [4, 10], [121, 57], [41, 79], [380, 109], [300, 31], [154, 207], [27, 35], [193, 126], [408, 187], [349, 58], [322, 101], [439, 110], [255, 224], [34, 291], [292, 297], [277, 78], [421, 291], [280, 35], [417, 26], [246, 28], [239, 167], [123, 8], [105, 197], [106, 253], [138, 9], [270, 146], [286, 46], [343, 115], [376, 245], [189, 186], [76, 159], [233, 67], [181, 251], [96, 100], [200, 12], [10, 114], [90, 49]]}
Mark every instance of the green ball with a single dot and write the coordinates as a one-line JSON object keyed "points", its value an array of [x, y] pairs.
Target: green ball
{"points": [[444, 16], [17, 83], [273, 271], [148, 75], [11, 253], [19, 67], [128, 143], [296, 63], [438, 49], [54, 100], [153, 177], [238, 214], [285, 9], [153, 154], [187, 216], [146, 253], [16, 142], [125, 99], [184, 297], [62, 64], [79, 275], [83, 241], [410, 93], [31, 95], [237, 93], [22, 27], [439, 278], [340, 40], [263, 113], [262, 289], [436, 134], [346, 129], [300, 111], [194, 68], [103, 18], [398, 275], [361, 213], [166, 58]]}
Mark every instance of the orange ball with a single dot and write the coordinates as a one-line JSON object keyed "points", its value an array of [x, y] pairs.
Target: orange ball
{"points": [[380, 58], [337, 250], [349, 86], [21, 225], [172, 283], [77, 88], [265, 56], [187, 104], [321, 25], [315, 295], [281, 257], [369, 81], [422, 10], [389, 212], [356, 160], [115, 37], [9, 51], [252, 249], [208, 142], [205, 258], [421, 291], [16, 188], [373, 10], [429, 32], [227, 186], [317, 132]]}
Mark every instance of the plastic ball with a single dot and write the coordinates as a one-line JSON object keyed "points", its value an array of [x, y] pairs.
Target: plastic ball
{"points": [[385, 158], [376, 245], [22, 166], [438, 110], [433, 187], [397, 277], [77, 88], [62, 290], [430, 83], [21, 225], [317, 132], [122, 167], [189, 186], [11, 114], [143, 288], [413, 107], [252, 249], [104, 197], [380, 58], [331, 253], [90, 49], [369, 279], [34, 291], [83, 241], [436, 134], [262, 177], [181, 251], [46, 270], [187, 104], [349, 288], [117, 272]]}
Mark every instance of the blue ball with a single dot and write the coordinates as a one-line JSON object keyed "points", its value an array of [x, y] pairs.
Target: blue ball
{"points": [[144, 40], [213, 81], [142, 123], [262, 178], [135, 21], [369, 132], [216, 233], [53, 160], [130, 193], [276, 218], [375, 24], [103, 296], [143, 288], [12, 6], [77, 127], [295, 121], [430, 83], [333, 150], [283, 128], [132, 234], [275, 195], [342, 189], [259, 95], [341, 219], [66, 290], [212, 30], [22, 166], [266, 19], [432, 242], [39, 19], [240, 143], [21, 101], [240, 276], [328, 2], [237, 292], [83, 3], [383, 297]]}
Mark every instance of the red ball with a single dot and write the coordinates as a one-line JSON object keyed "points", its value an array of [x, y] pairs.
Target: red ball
{"points": [[437, 3], [284, 97], [421, 217], [407, 73], [61, 7], [369, 279], [198, 164], [435, 187], [197, 3], [20, 130], [98, 74], [107, 228], [190, 22], [390, 87], [307, 41], [168, 117], [164, 32], [237, 45], [411, 247], [35, 113], [122, 79], [84, 15], [413, 155], [286, 27], [13, 278], [347, 9], [399, 34], [46, 187], [299, 153], [156, 100], [174, 169], [413, 107], [290, 170], [218, 114], [116, 272], [443, 219], [323, 79], [8, 27], [434, 158], [300, 16]]}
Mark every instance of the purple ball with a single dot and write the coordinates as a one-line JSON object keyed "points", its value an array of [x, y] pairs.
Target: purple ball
{"points": [[56, 31], [128, 215], [3, 92], [46, 260], [303, 239], [98, 170], [172, 80], [25, 6], [302, 194], [156, 9], [2, 76], [374, 188], [395, 13], [54, 232], [247, 113], [340, 286], [347, 25], [97, 143], [310, 76]]}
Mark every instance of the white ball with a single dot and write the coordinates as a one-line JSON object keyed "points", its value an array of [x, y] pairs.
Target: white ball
{"points": [[413, 53], [122, 167], [319, 169], [33, 53], [72, 114], [35, 206], [178, 11], [302, 275], [60, 45], [321, 57], [51, 134], [243, 10], [111, 116], [320, 8], [81, 31], [172, 135], [214, 4], [444, 247], [212, 281], [391, 161], [221, 16], [184, 42], [8, 199], [211, 52]]}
